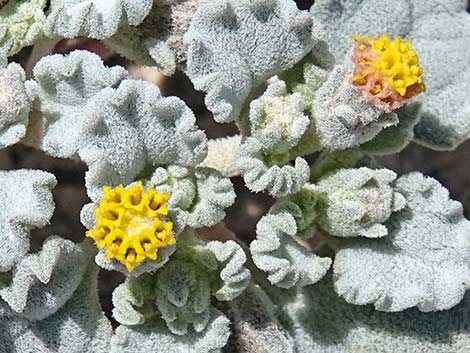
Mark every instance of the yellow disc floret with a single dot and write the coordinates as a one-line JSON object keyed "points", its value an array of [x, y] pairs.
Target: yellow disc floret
{"points": [[131, 225], [387, 70]]}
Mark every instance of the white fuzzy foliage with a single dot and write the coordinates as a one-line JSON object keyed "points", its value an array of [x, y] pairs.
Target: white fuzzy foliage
{"points": [[286, 262], [185, 285], [183, 288], [321, 322], [41, 283], [158, 40], [440, 31], [201, 194], [154, 336], [128, 297], [26, 199], [233, 46], [15, 103], [303, 206], [183, 297], [255, 327], [67, 89], [221, 155], [234, 277], [78, 326], [179, 182], [329, 162], [307, 76], [168, 49], [21, 23], [214, 194], [277, 119], [424, 261], [343, 116], [97, 19], [259, 176], [358, 201], [393, 139], [116, 126]]}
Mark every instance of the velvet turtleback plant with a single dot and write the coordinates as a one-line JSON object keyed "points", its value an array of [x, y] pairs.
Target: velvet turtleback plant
{"points": [[349, 257]]}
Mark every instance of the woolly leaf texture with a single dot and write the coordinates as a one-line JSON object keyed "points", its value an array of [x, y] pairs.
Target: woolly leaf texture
{"points": [[158, 40], [321, 322], [357, 202], [201, 194], [42, 283], [255, 327], [259, 175], [154, 336], [183, 288], [400, 247], [15, 103], [277, 120], [233, 46], [27, 203], [93, 18], [423, 262], [393, 139], [117, 126], [78, 325], [286, 262]]}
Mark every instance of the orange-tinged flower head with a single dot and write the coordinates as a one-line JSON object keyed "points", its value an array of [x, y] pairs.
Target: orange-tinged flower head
{"points": [[131, 225], [386, 70]]}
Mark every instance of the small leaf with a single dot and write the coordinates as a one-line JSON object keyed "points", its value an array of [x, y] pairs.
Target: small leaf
{"points": [[15, 103], [93, 18], [286, 262], [255, 327], [183, 296], [393, 139], [233, 46], [233, 275], [27, 203], [259, 176], [201, 195], [358, 201], [154, 336], [79, 326], [43, 282], [424, 261], [321, 322]]}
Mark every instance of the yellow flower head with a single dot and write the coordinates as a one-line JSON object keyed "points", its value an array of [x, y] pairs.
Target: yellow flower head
{"points": [[386, 70], [130, 224]]}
